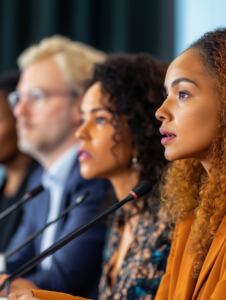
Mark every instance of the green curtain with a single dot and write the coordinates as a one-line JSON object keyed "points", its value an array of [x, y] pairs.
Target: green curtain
{"points": [[111, 25]]}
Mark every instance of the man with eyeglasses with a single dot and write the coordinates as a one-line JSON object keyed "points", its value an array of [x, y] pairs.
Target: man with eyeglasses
{"points": [[46, 105]]}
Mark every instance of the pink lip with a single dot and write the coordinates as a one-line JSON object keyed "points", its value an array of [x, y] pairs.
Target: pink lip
{"points": [[83, 155], [170, 136]]}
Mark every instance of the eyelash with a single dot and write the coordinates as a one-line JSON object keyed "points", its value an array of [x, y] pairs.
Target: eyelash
{"points": [[165, 95], [185, 93], [103, 120]]}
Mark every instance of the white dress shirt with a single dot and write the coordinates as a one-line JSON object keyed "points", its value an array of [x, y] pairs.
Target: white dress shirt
{"points": [[54, 180]]}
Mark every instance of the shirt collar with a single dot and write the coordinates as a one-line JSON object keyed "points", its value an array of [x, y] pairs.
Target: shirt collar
{"points": [[61, 168]]}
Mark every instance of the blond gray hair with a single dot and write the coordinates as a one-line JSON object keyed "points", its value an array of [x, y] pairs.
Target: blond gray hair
{"points": [[75, 59]]}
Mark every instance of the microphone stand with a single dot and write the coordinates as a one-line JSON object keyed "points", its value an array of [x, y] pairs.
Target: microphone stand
{"points": [[24, 199], [140, 190], [35, 234]]}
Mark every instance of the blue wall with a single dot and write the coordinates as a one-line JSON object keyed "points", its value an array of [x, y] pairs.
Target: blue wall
{"points": [[195, 17]]}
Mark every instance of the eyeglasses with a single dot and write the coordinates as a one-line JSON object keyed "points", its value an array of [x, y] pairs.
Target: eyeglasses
{"points": [[36, 97]]}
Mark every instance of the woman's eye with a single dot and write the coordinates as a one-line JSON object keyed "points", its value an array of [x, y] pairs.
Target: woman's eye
{"points": [[100, 120], [183, 95]]}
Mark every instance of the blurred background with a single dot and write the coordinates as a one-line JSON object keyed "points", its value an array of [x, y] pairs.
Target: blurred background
{"points": [[109, 25], [163, 28]]}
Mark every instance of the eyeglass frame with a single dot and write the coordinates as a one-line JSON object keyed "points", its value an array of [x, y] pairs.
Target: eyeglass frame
{"points": [[44, 95]]}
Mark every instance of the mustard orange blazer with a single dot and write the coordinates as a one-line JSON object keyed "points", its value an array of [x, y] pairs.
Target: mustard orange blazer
{"points": [[47, 295], [178, 284]]}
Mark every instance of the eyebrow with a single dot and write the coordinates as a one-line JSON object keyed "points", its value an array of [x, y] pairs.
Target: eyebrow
{"points": [[181, 79], [94, 109]]}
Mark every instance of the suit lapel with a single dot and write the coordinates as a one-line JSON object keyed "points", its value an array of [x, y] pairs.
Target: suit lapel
{"points": [[43, 202], [215, 248], [72, 184]]}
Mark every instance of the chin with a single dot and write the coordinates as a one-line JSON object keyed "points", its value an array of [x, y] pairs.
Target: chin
{"points": [[170, 156], [178, 156], [86, 173], [92, 172], [26, 147]]}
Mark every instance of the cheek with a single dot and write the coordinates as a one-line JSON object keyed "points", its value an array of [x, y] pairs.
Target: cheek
{"points": [[8, 138], [106, 158], [100, 165], [7, 132], [52, 118], [195, 133], [103, 159]]}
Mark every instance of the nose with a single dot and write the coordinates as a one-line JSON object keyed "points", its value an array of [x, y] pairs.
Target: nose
{"points": [[20, 109], [163, 113], [82, 133]]}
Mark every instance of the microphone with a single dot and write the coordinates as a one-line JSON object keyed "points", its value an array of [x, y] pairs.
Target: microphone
{"points": [[137, 192], [35, 234], [24, 199]]}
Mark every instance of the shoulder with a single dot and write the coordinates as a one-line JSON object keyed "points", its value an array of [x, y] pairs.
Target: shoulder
{"points": [[183, 227]]}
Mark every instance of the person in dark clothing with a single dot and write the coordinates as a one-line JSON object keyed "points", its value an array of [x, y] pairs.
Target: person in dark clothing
{"points": [[18, 166]]}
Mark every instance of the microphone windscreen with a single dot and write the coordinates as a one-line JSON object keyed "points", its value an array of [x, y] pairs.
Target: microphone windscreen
{"points": [[142, 188]]}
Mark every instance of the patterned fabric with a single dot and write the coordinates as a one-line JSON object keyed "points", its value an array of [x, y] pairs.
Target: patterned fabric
{"points": [[144, 263]]}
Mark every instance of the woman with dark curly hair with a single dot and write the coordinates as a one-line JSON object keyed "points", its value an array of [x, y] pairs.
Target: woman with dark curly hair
{"points": [[194, 186], [120, 141]]}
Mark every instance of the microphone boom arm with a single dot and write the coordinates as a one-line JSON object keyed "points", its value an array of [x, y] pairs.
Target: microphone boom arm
{"points": [[64, 241], [35, 234], [140, 190], [24, 199]]}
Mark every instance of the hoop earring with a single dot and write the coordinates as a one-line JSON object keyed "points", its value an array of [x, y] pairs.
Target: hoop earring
{"points": [[134, 160]]}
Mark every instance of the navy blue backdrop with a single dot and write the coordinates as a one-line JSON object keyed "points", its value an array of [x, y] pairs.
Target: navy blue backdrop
{"points": [[110, 25]]}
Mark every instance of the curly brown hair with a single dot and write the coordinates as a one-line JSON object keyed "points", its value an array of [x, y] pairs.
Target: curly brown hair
{"points": [[135, 87], [186, 189]]}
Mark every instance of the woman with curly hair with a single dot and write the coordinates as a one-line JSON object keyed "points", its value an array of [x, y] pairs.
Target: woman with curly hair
{"points": [[120, 140], [194, 186], [119, 131]]}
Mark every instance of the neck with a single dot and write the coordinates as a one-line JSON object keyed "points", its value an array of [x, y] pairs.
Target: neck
{"points": [[206, 165], [124, 182], [47, 159], [16, 171]]}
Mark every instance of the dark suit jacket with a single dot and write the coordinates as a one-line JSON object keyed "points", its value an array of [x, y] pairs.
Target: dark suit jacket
{"points": [[9, 225], [76, 267]]}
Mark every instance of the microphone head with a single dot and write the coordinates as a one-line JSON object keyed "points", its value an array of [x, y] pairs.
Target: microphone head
{"points": [[142, 188]]}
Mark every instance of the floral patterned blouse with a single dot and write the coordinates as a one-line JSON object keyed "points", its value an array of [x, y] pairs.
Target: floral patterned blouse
{"points": [[144, 263]]}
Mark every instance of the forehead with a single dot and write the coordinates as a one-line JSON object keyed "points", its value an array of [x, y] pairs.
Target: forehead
{"points": [[94, 98], [44, 73], [188, 65]]}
